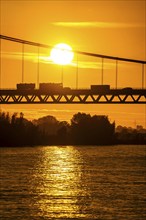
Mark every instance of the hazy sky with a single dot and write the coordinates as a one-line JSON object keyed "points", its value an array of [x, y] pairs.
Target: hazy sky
{"points": [[116, 28]]}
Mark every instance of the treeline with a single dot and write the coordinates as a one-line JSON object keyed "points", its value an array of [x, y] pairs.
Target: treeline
{"points": [[130, 135], [17, 131], [83, 129]]}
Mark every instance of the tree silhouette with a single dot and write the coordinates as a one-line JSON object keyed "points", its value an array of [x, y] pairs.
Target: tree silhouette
{"points": [[87, 129], [17, 131], [47, 124], [84, 129]]}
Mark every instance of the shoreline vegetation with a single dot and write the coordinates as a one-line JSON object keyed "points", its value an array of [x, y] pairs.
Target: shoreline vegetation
{"points": [[83, 129]]}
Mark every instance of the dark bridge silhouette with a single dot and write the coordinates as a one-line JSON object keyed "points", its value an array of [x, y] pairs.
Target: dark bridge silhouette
{"points": [[53, 93]]}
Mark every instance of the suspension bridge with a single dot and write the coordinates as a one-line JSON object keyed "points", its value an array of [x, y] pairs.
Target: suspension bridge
{"points": [[52, 93]]}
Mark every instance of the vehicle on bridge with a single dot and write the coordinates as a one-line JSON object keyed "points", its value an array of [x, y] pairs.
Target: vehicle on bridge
{"points": [[25, 86], [100, 88], [127, 89], [58, 87], [43, 87], [53, 87], [56, 93]]}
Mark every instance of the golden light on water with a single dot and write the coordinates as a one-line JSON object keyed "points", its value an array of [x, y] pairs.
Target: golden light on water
{"points": [[80, 182], [60, 183]]}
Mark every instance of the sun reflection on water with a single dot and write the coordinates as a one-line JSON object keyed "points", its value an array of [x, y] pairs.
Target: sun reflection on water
{"points": [[79, 182], [59, 183]]}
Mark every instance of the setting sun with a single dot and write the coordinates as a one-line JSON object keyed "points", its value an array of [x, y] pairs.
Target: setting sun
{"points": [[62, 54]]}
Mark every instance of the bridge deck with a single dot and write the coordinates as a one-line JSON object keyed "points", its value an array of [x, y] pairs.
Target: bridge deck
{"points": [[73, 96]]}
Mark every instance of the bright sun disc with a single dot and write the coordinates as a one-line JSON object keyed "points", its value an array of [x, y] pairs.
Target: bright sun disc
{"points": [[62, 54]]}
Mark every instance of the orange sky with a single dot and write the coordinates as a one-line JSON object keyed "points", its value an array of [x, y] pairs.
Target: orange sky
{"points": [[115, 28]]}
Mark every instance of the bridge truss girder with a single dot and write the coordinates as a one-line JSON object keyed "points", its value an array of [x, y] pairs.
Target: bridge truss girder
{"points": [[73, 99]]}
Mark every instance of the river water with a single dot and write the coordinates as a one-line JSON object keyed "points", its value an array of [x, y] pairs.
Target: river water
{"points": [[73, 182]]}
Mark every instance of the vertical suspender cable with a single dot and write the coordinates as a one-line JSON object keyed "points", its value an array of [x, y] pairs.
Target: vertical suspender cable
{"points": [[145, 116], [62, 74], [0, 66], [22, 62], [77, 73], [143, 88], [0, 62], [102, 71], [142, 76], [38, 68], [116, 73]]}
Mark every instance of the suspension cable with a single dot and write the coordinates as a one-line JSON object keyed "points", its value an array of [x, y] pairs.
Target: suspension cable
{"points": [[116, 73], [62, 71], [102, 71], [0, 61], [77, 69], [142, 76], [38, 67], [22, 62], [79, 52]]}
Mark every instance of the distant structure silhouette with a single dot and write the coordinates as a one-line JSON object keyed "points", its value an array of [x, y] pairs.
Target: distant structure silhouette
{"points": [[56, 93]]}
